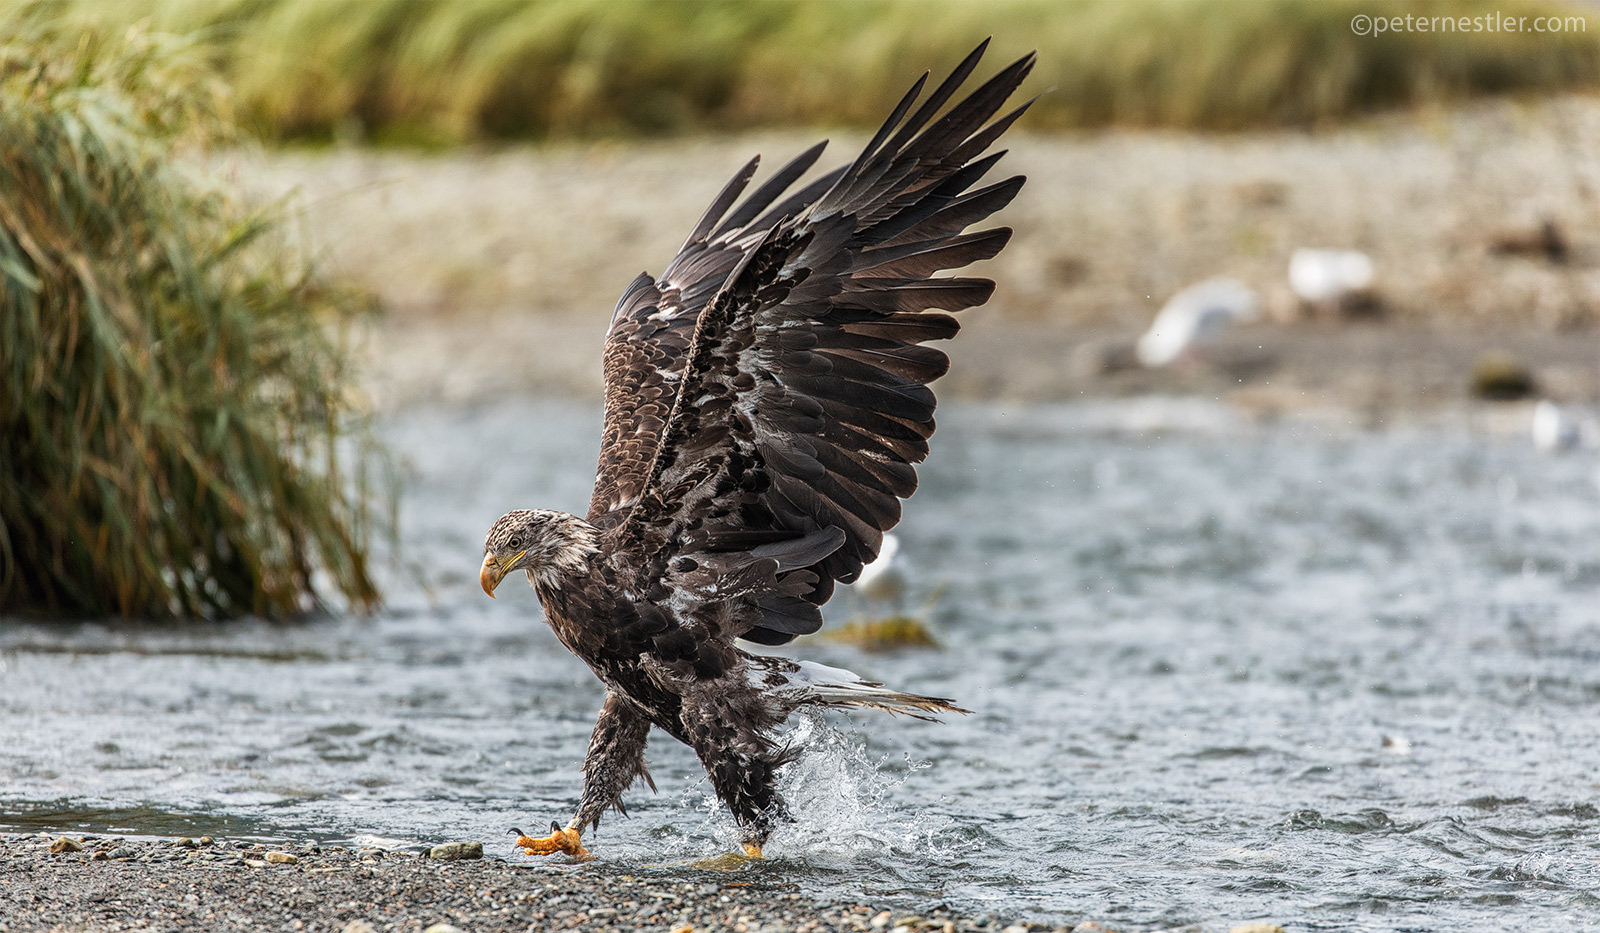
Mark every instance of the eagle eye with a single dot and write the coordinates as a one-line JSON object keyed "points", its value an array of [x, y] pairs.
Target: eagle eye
{"points": [[515, 543]]}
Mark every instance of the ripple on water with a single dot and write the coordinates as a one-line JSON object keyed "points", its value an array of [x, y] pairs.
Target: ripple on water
{"points": [[1220, 673]]}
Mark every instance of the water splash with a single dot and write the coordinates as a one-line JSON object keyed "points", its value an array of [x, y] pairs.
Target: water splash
{"points": [[842, 804]]}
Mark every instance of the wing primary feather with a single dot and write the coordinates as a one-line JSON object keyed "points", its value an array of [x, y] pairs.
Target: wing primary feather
{"points": [[939, 96], [720, 205], [982, 139], [966, 117], [770, 189], [941, 216], [801, 199], [895, 117]]}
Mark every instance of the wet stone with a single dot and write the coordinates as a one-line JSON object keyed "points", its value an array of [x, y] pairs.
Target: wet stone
{"points": [[452, 851], [123, 852], [100, 857], [186, 843]]}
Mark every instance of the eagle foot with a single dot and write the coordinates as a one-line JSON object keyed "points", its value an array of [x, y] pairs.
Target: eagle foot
{"points": [[559, 840]]}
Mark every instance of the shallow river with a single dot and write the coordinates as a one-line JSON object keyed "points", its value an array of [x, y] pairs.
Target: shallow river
{"points": [[1220, 673]]}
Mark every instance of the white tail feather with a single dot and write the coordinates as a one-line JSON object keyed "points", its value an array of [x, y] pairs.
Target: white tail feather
{"points": [[835, 687]]}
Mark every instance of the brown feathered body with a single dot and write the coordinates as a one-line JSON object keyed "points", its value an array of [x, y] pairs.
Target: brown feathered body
{"points": [[766, 399]]}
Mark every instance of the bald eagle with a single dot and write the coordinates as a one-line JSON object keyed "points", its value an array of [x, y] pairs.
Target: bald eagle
{"points": [[765, 399]]}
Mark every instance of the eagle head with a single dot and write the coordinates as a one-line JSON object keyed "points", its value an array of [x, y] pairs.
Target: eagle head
{"points": [[544, 543]]}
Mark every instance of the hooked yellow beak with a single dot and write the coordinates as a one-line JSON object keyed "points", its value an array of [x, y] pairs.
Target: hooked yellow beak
{"points": [[492, 573]]}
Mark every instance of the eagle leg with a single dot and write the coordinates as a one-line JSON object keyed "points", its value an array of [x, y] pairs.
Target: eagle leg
{"points": [[615, 760], [559, 840], [729, 734]]}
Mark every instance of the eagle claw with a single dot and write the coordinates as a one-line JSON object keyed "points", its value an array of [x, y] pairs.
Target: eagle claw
{"points": [[559, 840]]}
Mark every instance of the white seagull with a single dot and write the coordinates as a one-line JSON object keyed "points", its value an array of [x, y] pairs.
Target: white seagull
{"points": [[1194, 316], [885, 577], [1556, 429], [1327, 276]]}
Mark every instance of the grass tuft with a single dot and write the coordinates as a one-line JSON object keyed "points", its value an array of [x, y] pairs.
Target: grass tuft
{"points": [[445, 71], [177, 434]]}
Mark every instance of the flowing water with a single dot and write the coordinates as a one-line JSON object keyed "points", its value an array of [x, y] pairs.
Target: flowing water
{"points": [[1220, 672]]}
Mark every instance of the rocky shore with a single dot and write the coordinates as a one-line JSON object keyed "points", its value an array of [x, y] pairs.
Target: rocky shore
{"points": [[107, 883], [496, 269]]}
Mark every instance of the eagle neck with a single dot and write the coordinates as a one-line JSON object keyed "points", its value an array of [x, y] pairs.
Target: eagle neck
{"points": [[564, 552]]}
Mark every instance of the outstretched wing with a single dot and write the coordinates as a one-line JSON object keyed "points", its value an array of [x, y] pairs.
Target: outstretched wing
{"points": [[801, 400], [648, 340]]}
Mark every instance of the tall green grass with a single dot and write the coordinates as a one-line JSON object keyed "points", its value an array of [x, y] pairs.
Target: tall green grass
{"points": [[454, 70], [177, 434]]}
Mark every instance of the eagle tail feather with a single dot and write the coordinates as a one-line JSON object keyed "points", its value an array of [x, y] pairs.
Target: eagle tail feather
{"points": [[837, 688]]}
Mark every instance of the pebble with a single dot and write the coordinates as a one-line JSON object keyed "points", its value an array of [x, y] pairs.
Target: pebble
{"points": [[122, 852], [452, 851], [63, 844], [443, 928], [280, 858], [100, 856], [1257, 928], [359, 926]]}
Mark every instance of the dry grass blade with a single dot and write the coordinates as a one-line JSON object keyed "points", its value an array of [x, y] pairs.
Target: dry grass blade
{"points": [[442, 71], [177, 434]]}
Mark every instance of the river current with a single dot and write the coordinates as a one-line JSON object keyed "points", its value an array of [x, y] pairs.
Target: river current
{"points": [[1220, 672]]}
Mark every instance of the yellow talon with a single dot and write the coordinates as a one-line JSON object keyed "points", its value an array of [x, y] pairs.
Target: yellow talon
{"points": [[559, 840]]}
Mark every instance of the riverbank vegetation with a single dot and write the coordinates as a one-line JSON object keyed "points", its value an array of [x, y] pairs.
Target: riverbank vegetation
{"points": [[451, 71], [177, 432]]}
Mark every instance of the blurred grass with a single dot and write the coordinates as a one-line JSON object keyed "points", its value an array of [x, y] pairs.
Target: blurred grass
{"points": [[447, 71], [174, 406]]}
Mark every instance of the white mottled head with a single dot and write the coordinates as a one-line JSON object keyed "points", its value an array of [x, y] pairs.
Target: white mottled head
{"points": [[545, 543]]}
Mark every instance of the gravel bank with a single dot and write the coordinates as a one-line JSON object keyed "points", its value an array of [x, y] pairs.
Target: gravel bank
{"points": [[113, 883], [497, 269]]}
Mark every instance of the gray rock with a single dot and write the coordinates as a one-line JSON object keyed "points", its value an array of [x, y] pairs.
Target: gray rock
{"points": [[123, 852], [451, 851]]}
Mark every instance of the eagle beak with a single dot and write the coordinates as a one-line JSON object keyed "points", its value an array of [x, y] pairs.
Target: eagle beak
{"points": [[492, 573]]}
